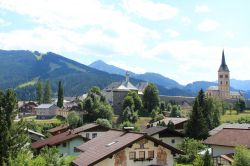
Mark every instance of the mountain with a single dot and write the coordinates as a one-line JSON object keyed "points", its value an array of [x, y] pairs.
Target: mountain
{"points": [[22, 69], [149, 77], [101, 65], [196, 86], [240, 84]]}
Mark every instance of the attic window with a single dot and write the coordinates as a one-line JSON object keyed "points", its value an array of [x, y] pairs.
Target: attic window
{"points": [[111, 143]]}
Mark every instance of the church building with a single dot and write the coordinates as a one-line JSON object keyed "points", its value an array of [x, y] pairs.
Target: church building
{"points": [[222, 91]]}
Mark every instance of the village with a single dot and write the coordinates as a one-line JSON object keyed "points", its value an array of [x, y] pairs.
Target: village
{"points": [[131, 125]]}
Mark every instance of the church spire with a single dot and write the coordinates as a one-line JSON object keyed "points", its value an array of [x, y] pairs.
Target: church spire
{"points": [[223, 66]]}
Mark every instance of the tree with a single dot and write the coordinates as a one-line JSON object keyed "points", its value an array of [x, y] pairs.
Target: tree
{"points": [[207, 159], [175, 112], [52, 156], [169, 107], [13, 135], [151, 97], [47, 95], [104, 122], [198, 161], [191, 148], [129, 115], [128, 102], [240, 105], [196, 127], [73, 119], [60, 95], [171, 125], [241, 156], [39, 92]]}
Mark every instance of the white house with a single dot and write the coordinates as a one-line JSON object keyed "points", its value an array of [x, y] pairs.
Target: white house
{"points": [[46, 111]]}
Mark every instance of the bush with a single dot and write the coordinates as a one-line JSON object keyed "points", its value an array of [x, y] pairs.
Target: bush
{"points": [[104, 122]]}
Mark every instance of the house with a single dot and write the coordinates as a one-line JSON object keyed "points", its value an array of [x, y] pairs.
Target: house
{"points": [[170, 137], [223, 143], [179, 123], [125, 148], [68, 140], [46, 111], [58, 129], [27, 109]]}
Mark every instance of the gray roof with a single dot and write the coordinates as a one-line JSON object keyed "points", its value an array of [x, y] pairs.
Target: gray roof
{"points": [[213, 88], [157, 129], [229, 125], [121, 86], [45, 106], [223, 66]]}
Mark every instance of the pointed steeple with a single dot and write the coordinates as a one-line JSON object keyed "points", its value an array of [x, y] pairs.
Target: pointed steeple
{"points": [[223, 66]]}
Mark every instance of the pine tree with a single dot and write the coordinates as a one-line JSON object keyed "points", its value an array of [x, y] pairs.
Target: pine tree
{"points": [[60, 95], [196, 127], [151, 97], [47, 97], [13, 136], [39, 92]]}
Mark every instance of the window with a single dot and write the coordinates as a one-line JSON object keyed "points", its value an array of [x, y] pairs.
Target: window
{"points": [[226, 76], [226, 82], [221, 76], [132, 155], [94, 135], [221, 82], [173, 141], [87, 135], [64, 144], [151, 154], [141, 155]]}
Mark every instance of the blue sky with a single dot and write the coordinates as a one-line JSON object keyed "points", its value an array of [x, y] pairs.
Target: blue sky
{"points": [[182, 40]]}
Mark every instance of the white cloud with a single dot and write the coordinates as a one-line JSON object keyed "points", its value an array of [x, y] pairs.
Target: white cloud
{"points": [[201, 8], [150, 9], [185, 20], [208, 25], [172, 33], [4, 23], [127, 67]]}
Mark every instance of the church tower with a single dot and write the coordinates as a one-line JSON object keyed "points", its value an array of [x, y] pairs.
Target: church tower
{"points": [[224, 79]]}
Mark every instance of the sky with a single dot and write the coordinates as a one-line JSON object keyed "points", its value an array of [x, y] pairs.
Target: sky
{"points": [[180, 39]]}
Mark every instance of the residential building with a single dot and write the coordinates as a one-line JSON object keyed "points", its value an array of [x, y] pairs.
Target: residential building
{"points": [[223, 143], [46, 111], [68, 140], [179, 123], [168, 136], [27, 108], [229, 125], [222, 91], [35, 136], [58, 129], [124, 148]]}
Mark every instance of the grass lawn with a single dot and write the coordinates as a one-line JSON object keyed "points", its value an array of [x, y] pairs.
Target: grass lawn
{"points": [[232, 116], [141, 121], [54, 120]]}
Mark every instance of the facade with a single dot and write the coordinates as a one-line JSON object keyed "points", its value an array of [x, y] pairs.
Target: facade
{"points": [[124, 148], [46, 111], [170, 137], [222, 91], [28, 108]]}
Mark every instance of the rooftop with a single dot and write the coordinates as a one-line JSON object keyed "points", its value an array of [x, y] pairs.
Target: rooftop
{"points": [[174, 120], [229, 125], [230, 137], [110, 143], [159, 129], [45, 106], [213, 88]]}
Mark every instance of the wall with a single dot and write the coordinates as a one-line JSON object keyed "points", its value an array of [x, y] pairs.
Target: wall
{"points": [[122, 157], [168, 140], [70, 145], [220, 150], [118, 97]]}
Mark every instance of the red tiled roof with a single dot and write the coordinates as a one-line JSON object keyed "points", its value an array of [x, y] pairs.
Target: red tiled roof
{"points": [[54, 140], [230, 137], [67, 135], [108, 144]]}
